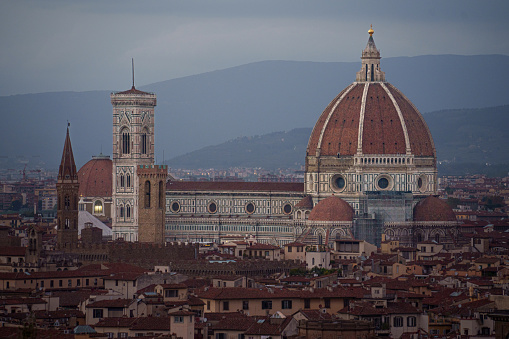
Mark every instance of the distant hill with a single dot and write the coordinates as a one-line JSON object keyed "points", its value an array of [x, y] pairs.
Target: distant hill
{"points": [[467, 140], [254, 99]]}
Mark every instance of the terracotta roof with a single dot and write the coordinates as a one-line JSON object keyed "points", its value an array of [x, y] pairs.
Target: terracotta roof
{"points": [[95, 177], [259, 246], [332, 208], [337, 129], [244, 186], [316, 315], [133, 90], [433, 209], [115, 303], [305, 203], [16, 251]]}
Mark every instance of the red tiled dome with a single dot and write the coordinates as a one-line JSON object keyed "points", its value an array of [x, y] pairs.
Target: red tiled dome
{"points": [[381, 114], [95, 177], [332, 209], [433, 209]]}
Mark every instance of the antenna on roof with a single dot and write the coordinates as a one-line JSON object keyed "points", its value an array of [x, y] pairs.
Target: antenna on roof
{"points": [[132, 63]]}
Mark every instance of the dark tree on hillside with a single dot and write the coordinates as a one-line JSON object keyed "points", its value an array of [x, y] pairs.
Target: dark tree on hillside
{"points": [[492, 202]]}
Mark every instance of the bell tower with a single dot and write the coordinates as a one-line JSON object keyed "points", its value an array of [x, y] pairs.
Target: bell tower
{"points": [[133, 146], [67, 199]]}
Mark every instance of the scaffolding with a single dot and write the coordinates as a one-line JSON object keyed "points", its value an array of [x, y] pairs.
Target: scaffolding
{"points": [[379, 207]]}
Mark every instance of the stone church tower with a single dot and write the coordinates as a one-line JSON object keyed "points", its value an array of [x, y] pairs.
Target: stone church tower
{"points": [[133, 146], [152, 181], [67, 196]]}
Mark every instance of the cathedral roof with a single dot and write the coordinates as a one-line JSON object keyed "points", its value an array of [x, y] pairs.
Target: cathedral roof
{"points": [[242, 186], [95, 177], [305, 203], [332, 209], [67, 168], [371, 117], [433, 209]]}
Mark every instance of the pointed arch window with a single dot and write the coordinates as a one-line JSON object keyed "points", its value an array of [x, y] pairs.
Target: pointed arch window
{"points": [[122, 180], [147, 194], [121, 211], [126, 141], [144, 142], [128, 211], [128, 180]]}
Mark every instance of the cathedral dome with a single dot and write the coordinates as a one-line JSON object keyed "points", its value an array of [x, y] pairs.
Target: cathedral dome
{"points": [[95, 177], [332, 209], [433, 209], [370, 117]]}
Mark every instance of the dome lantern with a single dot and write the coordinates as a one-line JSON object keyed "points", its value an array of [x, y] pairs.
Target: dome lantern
{"points": [[370, 70]]}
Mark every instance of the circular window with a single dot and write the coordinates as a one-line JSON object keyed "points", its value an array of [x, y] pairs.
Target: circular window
{"points": [[287, 209], [175, 207], [338, 183], [383, 183], [212, 207], [250, 208], [422, 182]]}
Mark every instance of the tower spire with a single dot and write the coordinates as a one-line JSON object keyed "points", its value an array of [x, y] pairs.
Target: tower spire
{"points": [[67, 169], [132, 64]]}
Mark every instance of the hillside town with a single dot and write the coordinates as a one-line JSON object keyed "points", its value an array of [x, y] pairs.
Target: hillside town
{"points": [[366, 241]]}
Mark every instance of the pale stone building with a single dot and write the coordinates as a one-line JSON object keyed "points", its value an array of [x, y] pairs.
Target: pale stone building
{"points": [[133, 146]]}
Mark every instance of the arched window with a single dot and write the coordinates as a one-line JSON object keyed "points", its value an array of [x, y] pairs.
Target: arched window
{"points": [[147, 194], [161, 194], [122, 181], [372, 73], [144, 142], [437, 238], [67, 202], [366, 72], [121, 211], [128, 211], [126, 142], [128, 179], [98, 207]]}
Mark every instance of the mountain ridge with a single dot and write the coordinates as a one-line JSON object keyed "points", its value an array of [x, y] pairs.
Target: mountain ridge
{"points": [[251, 99]]}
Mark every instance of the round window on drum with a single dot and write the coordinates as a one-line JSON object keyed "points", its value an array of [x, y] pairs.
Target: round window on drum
{"points": [[287, 208], [212, 207], [175, 207], [338, 183], [250, 208]]}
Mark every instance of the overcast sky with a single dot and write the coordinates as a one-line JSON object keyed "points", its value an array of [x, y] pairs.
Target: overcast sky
{"points": [[56, 45]]}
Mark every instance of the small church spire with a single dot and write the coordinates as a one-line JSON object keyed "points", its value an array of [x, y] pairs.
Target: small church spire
{"points": [[370, 70], [67, 169]]}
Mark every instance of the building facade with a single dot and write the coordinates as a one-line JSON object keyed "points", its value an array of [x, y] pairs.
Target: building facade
{"points": [[133, 146]]}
